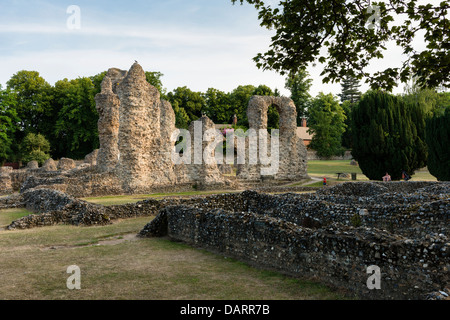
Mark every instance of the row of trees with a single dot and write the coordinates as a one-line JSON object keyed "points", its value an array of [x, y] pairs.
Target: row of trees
{"points": [[402, 133], [65, 114], [385, 132], [218, 105]]}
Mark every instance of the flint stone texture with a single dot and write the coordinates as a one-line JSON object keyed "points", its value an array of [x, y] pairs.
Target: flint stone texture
{"points": [[309, 236], [292, 153], [144, 139], [65, 164], [136, 129], [91, 158], [33, 165], [108, 105], [54, 207], [163, 153], [116, 76], [5, 180], [203, 168], [403, 229], [49, 165], [11, 201]]}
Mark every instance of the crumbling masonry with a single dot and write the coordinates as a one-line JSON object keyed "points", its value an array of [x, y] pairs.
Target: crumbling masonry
{"points": [[136, 144]]}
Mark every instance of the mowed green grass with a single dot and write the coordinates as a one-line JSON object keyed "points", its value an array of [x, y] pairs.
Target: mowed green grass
{"points": [[115, 265], [9, 215], [330, 168], [124, 199]]}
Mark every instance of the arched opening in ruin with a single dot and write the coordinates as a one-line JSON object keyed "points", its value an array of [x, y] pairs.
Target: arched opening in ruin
{"points": [[273, 117]]}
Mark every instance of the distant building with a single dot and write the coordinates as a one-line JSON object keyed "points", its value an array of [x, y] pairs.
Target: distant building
{"points": [[302, 133]]}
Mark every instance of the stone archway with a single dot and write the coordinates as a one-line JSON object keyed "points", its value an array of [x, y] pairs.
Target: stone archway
{"points": [[292, 153]]}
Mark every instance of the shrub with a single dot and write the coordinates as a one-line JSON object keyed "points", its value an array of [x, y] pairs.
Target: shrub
{"points": [[35, 147], [438, 141], [388, 135]]}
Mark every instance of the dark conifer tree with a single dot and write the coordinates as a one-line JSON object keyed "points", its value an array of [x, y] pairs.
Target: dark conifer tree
{"points": [[388, 135], [438, 142], [350, 91]]}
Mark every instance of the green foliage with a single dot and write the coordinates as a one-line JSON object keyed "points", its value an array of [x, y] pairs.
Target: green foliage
{"points": [[327, 124], [355, 220], [349, 95], [97, 81], [442, 102], [438, 141], [8, 123], [182, 120], [193, 103], [429, 100], [154, 78], [33, 102], [388, 135], [218, 107], [337, 34], [299, 85], [75, 130], [350, 91], [35, 147], [239, 99], [34, 142], [36, 155], [66, 114], [347, 141]]}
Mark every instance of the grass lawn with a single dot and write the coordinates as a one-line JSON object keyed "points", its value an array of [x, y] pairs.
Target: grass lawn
{"points": [[330, 168], [117, 200], [9, 215], [115, 265]]}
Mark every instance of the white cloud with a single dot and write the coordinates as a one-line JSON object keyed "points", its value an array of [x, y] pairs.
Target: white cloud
{"points": [[224, 71], [197, 58], [192, 55]]}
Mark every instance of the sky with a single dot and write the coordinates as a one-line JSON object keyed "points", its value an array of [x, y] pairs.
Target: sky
{"points": [[200, 44]]}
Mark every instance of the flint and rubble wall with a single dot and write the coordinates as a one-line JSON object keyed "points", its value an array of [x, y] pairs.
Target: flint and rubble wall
{"points": [[337, 255], [307, 236], [414, 214], [405, 234]]}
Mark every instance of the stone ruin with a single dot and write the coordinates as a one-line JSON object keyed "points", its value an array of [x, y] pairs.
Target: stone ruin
{"points": [[332, 235], [5, 180], [292, 152], [135, 156]]}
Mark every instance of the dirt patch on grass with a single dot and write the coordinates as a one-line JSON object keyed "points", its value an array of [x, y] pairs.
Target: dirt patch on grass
{"points": [[110, 241]]}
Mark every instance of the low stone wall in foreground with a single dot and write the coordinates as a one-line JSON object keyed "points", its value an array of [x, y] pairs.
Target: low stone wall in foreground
{"points": [[404, 235], [333, 235], [337, 255]]}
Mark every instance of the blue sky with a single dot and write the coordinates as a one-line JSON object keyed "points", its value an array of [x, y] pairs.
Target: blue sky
{"points": [[194, 43]]}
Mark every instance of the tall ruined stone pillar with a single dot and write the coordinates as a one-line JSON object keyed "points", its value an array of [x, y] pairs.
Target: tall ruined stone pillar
{"points": [[5, 180], [108, 105], [203, 169], [139, 125], [162, 164], [291, 153]]}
